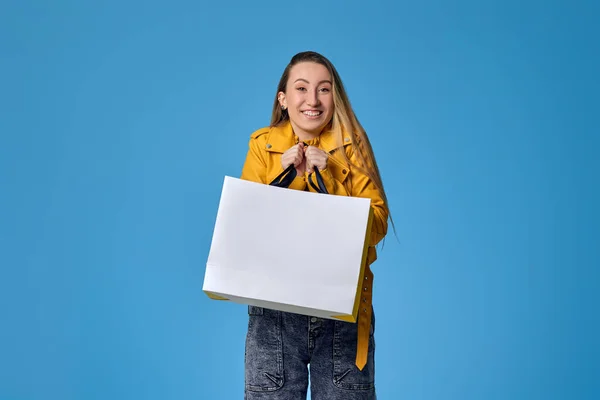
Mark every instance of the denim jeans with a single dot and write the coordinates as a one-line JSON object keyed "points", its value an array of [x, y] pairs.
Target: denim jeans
{"points": [[280, 346]]}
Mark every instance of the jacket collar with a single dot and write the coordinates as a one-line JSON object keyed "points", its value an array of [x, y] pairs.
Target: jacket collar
{"points": [[281, 138]]}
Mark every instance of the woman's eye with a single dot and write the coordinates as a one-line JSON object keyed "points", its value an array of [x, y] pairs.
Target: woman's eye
{"points": [[325, 90], [301, 88]]}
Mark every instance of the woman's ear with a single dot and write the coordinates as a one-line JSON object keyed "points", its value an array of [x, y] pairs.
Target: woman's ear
{"points": [[281, 99]]}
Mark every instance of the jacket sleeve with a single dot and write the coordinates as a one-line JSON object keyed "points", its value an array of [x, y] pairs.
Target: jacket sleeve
{"points": [[360, 186], [255, 166]]}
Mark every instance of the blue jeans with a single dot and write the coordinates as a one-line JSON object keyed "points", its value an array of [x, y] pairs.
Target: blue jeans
{"points": [[280, 346]]}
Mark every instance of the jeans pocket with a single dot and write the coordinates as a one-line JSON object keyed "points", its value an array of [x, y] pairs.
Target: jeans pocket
{"points": [[346, 374], [264, 350]]}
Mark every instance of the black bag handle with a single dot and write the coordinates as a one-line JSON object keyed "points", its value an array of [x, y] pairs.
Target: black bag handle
{"points": [[321, 188], [285, 178]]}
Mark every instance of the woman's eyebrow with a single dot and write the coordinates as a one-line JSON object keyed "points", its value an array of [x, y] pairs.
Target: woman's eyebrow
{"points": [[304, 80]]}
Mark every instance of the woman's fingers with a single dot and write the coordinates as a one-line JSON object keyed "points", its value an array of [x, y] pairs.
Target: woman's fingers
{"points": [[308, 156], [293, 155], [315, 157]]}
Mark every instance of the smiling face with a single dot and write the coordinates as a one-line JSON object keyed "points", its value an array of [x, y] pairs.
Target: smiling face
{"points": [[308, 98]]}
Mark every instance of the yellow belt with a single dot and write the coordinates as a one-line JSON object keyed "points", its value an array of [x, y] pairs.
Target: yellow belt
{"points": [[364, 319]]}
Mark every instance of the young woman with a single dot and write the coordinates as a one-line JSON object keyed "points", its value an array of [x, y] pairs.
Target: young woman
{"points": [[314, 128]]}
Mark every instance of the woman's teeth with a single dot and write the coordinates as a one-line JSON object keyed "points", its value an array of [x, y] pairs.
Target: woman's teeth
{"points": [[312, 113]]}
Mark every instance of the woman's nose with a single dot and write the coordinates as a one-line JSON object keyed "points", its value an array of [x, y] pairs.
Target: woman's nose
{"points": [[312, 98]]}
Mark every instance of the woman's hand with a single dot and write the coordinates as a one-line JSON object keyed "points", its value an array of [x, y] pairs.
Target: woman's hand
{"points": [[315, 157], [295, 155]]}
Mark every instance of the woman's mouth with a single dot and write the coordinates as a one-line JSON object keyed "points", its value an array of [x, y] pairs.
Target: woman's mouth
{"points": [[312, 113]]}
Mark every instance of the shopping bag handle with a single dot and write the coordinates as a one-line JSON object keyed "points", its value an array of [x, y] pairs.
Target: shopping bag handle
{"points": [[321, 188], [285, 178]]}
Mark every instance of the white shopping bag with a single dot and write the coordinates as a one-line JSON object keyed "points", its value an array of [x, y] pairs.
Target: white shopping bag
{"points": [[289, 250]]}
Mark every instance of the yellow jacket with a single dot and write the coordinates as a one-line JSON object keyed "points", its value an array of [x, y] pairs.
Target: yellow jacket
{"points": [[263, 164]]}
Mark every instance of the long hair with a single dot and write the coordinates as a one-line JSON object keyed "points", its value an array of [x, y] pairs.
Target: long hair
{"points": [[343, 119]]}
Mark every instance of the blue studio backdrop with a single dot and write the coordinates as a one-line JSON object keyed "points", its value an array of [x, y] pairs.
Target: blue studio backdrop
{"points": [[119, 120]]}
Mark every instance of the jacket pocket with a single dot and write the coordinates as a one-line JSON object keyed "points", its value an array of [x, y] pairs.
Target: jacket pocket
{"points": [[346, 374], [339, 170], [264, 350]]}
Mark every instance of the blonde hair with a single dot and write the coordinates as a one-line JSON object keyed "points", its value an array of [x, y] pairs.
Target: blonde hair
{"points": [[343, 119]]}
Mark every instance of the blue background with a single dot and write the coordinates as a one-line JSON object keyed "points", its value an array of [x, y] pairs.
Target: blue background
{"points": [[119, 120]]}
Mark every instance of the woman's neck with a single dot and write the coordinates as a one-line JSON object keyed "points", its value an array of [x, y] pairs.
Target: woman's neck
{"points": [[303, 135], [306, 137]]}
